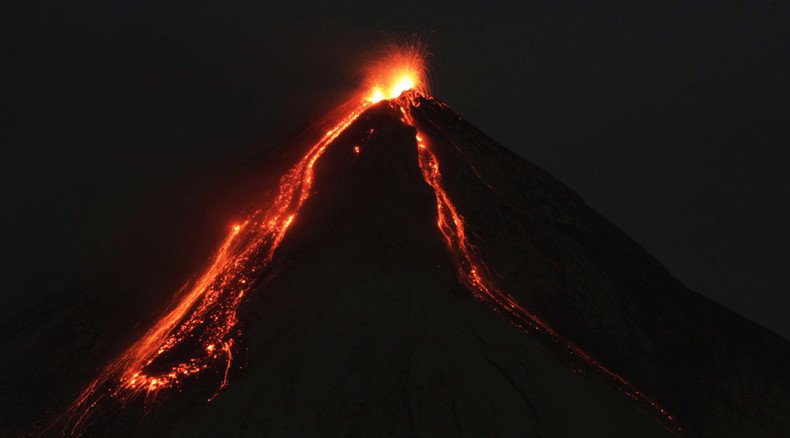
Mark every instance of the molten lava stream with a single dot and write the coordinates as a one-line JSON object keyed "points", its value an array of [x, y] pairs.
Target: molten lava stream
{"points": [[474, 273], [200, 328]]}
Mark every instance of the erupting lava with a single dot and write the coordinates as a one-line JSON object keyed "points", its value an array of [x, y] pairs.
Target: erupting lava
{"points": [[397, 72], [200, 329]]}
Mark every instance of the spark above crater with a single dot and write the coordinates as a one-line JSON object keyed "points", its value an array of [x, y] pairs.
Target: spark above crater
{"points": [[402, 69]]}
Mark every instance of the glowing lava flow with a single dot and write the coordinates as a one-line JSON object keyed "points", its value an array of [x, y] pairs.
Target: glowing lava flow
{"points": [[201, 326], [474, 273]]}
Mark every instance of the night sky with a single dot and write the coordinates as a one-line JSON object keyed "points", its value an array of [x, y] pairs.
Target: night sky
{"points": [[672, 120]]}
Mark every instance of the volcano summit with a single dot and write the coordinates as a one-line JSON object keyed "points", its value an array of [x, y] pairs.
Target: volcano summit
{"points": [[409, 276]]}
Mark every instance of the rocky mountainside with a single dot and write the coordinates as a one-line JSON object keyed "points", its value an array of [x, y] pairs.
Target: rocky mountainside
{"points": [[360, 325]]}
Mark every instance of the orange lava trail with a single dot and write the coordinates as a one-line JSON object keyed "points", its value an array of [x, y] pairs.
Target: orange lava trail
{"points": [[199, 329], [474, 273]]}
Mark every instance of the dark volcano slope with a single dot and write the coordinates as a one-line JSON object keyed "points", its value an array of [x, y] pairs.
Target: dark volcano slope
{"points": [[361, 328], [719, 373]]}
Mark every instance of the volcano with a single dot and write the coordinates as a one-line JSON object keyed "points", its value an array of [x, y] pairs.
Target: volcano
{"points": [[410, 277]]}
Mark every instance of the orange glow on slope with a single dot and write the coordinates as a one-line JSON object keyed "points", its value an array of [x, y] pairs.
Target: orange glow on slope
{"points": [[402, 69], [201, 325], [474, 273]]}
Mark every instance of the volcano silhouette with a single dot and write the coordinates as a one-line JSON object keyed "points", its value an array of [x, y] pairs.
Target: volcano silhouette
{"points": [[369, 320]]}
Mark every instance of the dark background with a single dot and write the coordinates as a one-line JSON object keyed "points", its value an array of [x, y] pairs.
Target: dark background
{"points": [[670, 119]]}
